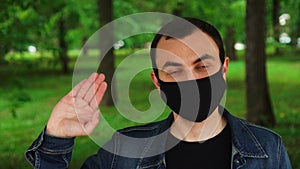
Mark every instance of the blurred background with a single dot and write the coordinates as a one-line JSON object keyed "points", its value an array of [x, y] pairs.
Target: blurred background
{"points": [[40, 41]]}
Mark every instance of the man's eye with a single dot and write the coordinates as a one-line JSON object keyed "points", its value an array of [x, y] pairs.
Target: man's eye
{"points": [[174, 72], [203, 67]]}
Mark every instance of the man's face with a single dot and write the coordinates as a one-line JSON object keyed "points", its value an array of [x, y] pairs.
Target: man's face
{"points": [[192, 57]]}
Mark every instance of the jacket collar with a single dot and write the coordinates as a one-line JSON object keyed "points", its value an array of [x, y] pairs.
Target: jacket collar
{"points": [[243, 139]]}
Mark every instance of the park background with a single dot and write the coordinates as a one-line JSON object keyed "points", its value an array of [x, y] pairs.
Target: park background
{"points": [[40, 42]]}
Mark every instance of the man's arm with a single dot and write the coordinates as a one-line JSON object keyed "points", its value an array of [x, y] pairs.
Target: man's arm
{"points": [[50, 152], [76, 114], [284, 161]]}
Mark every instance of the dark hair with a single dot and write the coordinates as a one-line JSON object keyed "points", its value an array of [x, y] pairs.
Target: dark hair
{"points": [[170, 30]]}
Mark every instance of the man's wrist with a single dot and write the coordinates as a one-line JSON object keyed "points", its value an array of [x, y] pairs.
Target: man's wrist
{"points": [[57, 144], [52, 134]]}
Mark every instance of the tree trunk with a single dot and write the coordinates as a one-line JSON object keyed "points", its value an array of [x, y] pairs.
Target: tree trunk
{"points": [[259, 107], [3, 51], [229, 43], [178, 10], [85, 48], [275, 23], [106, 66], [63, 46], [296, 31]]}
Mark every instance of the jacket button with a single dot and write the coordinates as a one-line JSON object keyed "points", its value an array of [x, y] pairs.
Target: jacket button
{"points": [[237, 161]]}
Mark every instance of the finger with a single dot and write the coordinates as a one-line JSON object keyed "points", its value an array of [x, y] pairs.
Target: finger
{"points": [[75, 89], [100, 78], [96, 100], [83, 90], [93, 88]]}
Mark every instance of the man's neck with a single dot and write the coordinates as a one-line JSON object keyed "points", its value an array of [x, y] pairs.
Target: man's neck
{"points": [[198, 131]]}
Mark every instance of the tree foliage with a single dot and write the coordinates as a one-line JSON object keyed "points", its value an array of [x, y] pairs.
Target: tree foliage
{"points": [[17, 22], [28, 22], [292, 7]]}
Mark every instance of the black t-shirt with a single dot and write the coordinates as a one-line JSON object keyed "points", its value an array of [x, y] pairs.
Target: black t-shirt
{"points": [[214, 153]]}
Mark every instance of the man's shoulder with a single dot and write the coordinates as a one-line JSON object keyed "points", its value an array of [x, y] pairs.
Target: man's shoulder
{"points": [[254, 141], [145, 130], [135, 141], [247, 132], [260, 130]]}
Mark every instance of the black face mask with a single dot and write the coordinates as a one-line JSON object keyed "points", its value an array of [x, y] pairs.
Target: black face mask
{"points": [[194, 100]]}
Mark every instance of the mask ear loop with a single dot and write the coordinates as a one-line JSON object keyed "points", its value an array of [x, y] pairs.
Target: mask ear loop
{"points": [[220, 70], [157, 77]]}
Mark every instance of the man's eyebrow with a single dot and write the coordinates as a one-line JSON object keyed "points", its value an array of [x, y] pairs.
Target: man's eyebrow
{"points": [[204, 57], [170, 63]]}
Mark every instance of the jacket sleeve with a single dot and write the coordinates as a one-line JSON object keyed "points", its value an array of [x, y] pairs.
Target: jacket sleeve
{"points": [[284, 161], [50, 152]]}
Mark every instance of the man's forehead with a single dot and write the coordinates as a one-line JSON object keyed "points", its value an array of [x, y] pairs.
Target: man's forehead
{"points": [[197, 42]]}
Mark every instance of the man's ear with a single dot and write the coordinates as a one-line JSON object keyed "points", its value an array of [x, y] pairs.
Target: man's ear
{"points": [[225, 67], [154, 80]]}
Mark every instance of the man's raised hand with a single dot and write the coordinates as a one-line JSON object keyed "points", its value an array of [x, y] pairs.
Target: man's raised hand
{"points": [[77, 113]]}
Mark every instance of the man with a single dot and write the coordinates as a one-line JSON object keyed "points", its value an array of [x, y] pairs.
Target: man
{"points": [[190, 71]]}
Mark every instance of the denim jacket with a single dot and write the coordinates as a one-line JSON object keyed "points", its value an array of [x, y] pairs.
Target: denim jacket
{"points": [[253, 147]]}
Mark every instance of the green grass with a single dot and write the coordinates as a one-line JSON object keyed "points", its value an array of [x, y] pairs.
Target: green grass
{"points": [[45, 86]]}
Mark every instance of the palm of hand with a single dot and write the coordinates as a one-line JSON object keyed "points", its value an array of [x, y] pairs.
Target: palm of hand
{"points": [[77, 113]]}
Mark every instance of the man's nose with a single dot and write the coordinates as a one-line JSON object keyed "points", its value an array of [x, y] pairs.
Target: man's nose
{"points": [[192, 75]]}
